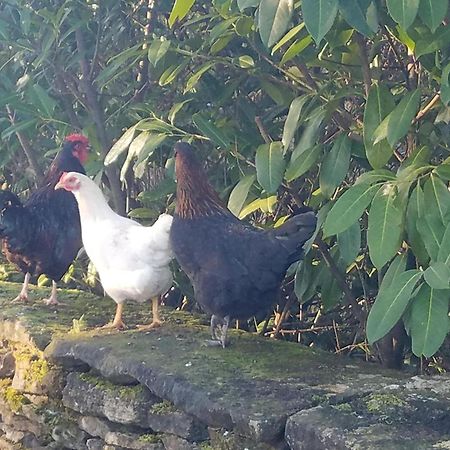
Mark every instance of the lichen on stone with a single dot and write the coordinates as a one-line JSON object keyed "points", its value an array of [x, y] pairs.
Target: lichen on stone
{"points": [[382, 403], [164, 407], [14, 398], [149, 438]]}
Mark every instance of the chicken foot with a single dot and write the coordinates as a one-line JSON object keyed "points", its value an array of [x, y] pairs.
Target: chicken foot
{"points": [[156, 318], [219, 329], [117, 322], [23, 295], [53, 299]]}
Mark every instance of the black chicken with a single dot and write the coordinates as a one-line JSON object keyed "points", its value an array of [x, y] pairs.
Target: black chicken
{"points": [[236, 269], [43, 235]]}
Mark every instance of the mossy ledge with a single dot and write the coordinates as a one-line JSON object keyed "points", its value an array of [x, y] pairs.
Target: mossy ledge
{"points": [[257, 393]]}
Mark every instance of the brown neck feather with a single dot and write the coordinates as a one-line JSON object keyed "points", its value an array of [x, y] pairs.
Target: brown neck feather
{"points": [[195, 195]]}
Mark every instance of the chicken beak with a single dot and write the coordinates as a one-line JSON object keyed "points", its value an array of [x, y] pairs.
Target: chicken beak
{"points": [[59, 185]]}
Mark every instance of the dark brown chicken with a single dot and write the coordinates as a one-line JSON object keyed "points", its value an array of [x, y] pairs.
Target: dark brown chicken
{"points": [[43, 235], [236, 269]]}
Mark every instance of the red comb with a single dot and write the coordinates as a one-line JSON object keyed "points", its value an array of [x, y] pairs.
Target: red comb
{"points": [[77, 138]]}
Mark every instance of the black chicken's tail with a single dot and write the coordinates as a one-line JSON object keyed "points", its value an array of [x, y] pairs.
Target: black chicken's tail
{"points": [[15, 223], [295, 232]]}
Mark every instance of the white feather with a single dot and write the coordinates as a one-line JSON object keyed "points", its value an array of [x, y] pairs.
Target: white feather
{"points": [[132, 260]]}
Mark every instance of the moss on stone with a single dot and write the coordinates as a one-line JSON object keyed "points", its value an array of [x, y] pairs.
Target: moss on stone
{"points": [[164, 407], [149, 438], [125, 392], [14, 399], [344, 407], [382, 403]]}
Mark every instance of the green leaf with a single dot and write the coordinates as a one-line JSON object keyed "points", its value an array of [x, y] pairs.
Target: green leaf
{"points": [[429, 320], [396, 267], [390, 304], [239, 194], [335, 166], [171, 73], [264, 204], [431, 230], [309, 136], [303, 276], [403, 11], [443, 171], [157, 50], [244, 62], [444, 249], [375, 176], [354, 13], [415, 210], [438, 275], [179, 10], [349, 208], [302, 163], [433, 12], [18, 126], [295, 49], [135, 148], [349, 242], [45, 103], [384, 234], [161, 190], [291, 124], [194, 79], [120, 146], [273, 19], [380, 102], [400, 118], [270, 166], [319, 16], [287, 37], [151, 144], [445, 85], [209, 129], [244, 4], [437, 197]]}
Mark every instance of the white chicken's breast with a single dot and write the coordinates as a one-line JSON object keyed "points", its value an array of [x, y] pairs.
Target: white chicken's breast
{"points": [[132, 260]]}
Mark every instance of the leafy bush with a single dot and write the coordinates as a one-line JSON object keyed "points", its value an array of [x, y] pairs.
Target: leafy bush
{"points": [[341, 105]]}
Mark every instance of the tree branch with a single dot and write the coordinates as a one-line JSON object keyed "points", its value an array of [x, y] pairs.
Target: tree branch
{"points": [[340, 278], [365, 67], [97, 116], [27, 148]]}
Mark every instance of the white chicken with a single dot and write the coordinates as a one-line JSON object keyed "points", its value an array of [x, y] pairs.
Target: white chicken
{"points": [[132, 260]]}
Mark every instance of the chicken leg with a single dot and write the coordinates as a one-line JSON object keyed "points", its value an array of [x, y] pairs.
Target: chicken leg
{"points": [[23, 295], [53, 299], [156, 318], [219, 329]]}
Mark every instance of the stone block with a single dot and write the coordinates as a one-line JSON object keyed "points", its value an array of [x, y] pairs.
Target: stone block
{"points": [[91, 395], [132, 441], [7, 364], [94, 426], [94, 444], [172, 442]]}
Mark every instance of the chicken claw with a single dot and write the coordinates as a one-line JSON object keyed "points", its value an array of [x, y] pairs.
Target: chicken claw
{"points": [[23, 295], [219, 329], [53, 299], [156, 322]]}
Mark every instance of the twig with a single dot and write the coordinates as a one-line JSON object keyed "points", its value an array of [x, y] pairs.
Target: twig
{"points": [[339, 277], [283, 316], [26, 147], [262, 130], [364, 63], [426, 109]]}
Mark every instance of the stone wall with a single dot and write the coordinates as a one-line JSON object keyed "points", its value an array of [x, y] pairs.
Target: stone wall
{"points": [[66, 384]]}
